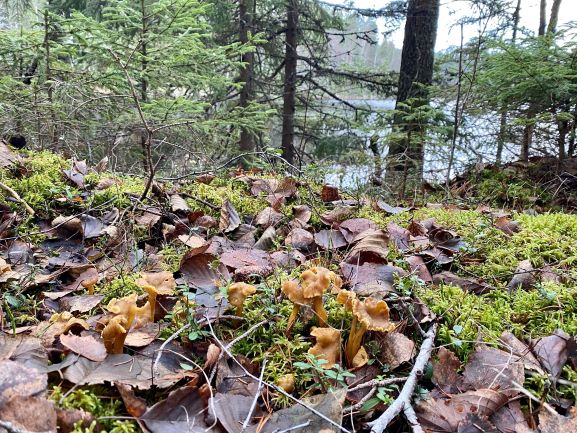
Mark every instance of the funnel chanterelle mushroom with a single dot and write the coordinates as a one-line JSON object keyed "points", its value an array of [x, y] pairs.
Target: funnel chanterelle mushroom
{"points": [[156, 283], [328, 345], [314, 282], [237, 293], [368, 315], [114, 334]]}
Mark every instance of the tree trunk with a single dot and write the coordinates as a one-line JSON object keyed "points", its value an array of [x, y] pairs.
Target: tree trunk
{"points": [[405, 158], [542, 17], [290, 75], [552, 28], [145, 140], [245, 11], [52, 129], [516, 18]]}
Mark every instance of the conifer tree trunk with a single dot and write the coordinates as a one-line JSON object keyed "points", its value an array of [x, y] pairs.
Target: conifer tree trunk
{"points": [[245, 11], [405, 158], [553, 20], [542, 17], [290, 75]]}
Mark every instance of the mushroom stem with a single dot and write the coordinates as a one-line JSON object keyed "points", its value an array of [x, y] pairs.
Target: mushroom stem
{"points": [[355, 340], [292, 318], [320, 311]]}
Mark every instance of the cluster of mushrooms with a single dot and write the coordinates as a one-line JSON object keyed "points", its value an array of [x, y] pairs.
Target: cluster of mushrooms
{"points": [[369, 314], [125, 314]]}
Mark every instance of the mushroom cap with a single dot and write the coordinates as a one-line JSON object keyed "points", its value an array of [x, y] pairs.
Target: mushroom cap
{"points": [[238, 292], [123, 305], [90, 282], [159, 283], [373, 314], [315, 281], [294, 291], [346, 298], [328, 345]]}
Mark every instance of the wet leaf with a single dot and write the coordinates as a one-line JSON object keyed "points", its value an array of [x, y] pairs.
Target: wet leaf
{"points": [[399, 236], [150, 216], [229, 219], [330, 405], [523, 277], [522, 352], [142, 336], [182, 411], [555, 423], [445, 372], [302, 213], [467, 284], [493, 369], [370, 246], [510, 418], [178, 204], [86, 346], [268, 217], [329, 193], [395, 349], [115, 368], [195, 243], [299, 239], [393, 210], [449, 414], [507, 226], [551, 352], [245, 257], [351, 228], [368, 273], [198, 271], [419, 268], [77, 172], [25, 350], [22, 398], [231, 410], [135, 406], [68, 419], [330, 239], [266, 241]]}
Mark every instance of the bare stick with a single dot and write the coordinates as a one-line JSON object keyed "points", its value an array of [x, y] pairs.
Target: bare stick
{"points": [[412, 419], [404, 398], [256, 396], [17, 197], [294, 427]]}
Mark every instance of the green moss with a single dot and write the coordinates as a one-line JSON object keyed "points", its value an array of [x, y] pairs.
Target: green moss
{"points": [[122, 285], [527, 314], [43, 180], [100, 406], [220, 189], [117, 194]]}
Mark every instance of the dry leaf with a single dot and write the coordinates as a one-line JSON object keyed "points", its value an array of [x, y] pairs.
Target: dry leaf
{"points": [[229, 219], [86, 346], [445, 374]]}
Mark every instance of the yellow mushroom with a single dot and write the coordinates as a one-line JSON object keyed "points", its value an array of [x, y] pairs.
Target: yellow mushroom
{"points": [[237, 294], [114, 334], [328, 345], [368, 315], [156, 283]]}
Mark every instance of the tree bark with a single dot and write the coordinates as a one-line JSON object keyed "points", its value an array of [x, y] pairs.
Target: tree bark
{"points": [[405, 158], [145, 139], [553, 20], [290, 75], [245, 11], [542, 17]]}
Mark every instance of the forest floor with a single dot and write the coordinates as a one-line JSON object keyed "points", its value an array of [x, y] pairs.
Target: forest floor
{"points": [[260, 302]]}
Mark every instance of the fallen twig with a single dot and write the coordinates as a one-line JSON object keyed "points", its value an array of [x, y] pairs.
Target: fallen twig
{"points": [[17, 197], [406, 394], [255, 400]]}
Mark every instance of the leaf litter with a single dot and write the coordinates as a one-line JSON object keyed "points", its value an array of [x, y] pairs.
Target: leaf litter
{"points": [[108, 315]]}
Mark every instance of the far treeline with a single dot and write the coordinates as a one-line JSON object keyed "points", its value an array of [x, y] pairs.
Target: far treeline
{"points": [[178, 86]]}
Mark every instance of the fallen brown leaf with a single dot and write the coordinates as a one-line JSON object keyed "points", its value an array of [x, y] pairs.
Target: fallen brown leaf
{"points": [[86, 346]]}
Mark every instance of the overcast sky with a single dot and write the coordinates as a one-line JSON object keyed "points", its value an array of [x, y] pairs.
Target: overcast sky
{"points": [[452, 10]]}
